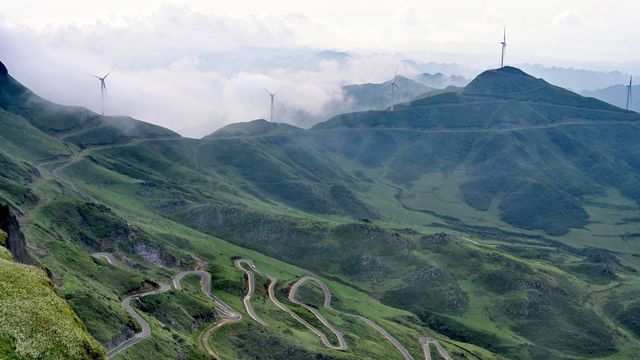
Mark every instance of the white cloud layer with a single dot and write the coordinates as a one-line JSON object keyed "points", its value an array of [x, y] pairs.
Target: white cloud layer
{"points": [[194, 68]]}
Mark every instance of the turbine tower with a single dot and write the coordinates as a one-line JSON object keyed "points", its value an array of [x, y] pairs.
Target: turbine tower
{"points": [[103, 87], [629, 99], [504, 46], [394, 85], [272, 95]]}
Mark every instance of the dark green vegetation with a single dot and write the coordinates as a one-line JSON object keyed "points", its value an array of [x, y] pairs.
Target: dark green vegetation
{"points": [[500, 219]]}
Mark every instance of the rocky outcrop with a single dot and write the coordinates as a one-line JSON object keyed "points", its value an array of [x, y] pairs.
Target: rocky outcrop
{"points": [[15, 241]]}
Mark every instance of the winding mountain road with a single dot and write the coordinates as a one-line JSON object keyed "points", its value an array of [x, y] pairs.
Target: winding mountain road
{"points": [[327, 304], [106, 256], [146, 328], [251, 283], [427, 351], [227, 313], [205, 286], [272, 296]]}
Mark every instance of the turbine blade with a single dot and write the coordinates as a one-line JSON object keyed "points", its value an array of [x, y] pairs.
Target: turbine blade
{"points": [[110, 71], [97, 77]]}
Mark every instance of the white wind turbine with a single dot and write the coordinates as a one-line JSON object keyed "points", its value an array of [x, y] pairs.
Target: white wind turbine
{"points": [[629, 99], [273, 96], [394, 85], [504, 47], [103, 87]]}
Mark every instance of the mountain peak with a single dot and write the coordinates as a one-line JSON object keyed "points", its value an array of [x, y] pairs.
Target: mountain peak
{"points": [[506, 80], [252, 128]]}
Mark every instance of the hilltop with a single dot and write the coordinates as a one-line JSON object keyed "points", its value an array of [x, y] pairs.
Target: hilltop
{"points": [[499, 98]]}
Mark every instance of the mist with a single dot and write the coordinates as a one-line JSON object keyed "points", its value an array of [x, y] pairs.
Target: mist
{"points": [[188, 71], [194, 72]]}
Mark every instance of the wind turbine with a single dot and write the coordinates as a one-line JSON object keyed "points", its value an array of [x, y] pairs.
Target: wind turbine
{"points": [[394, 85], [272, 95], [103, 87], [629, 99], [504, 46]]}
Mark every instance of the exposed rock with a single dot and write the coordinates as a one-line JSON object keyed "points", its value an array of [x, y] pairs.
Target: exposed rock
{"points": [[531, 305], [428, 277], [155, 255], [435, 241], [15, 241], [457, 300]]}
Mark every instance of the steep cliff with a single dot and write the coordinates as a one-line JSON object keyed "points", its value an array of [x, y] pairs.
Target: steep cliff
{"points": [[15, 241]]}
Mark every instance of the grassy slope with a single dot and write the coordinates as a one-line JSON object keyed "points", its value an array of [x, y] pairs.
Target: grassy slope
{"points": [[35, 323], [211, 188], [478, 320]]}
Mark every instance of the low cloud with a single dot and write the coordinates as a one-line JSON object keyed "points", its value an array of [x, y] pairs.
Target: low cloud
{"points": [[185, 70]]}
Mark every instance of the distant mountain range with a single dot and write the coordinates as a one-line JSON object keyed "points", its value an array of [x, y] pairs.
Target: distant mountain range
{"points": [[617, 95]]}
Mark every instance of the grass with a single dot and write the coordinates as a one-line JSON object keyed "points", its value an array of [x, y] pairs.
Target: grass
{"points": [[359, 208], [35, 323]]}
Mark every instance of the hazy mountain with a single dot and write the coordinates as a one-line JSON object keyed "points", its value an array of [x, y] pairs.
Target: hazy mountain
{"points": [[378, 96], [440, 80], [576, 79], [487, 218], [617, 95]]}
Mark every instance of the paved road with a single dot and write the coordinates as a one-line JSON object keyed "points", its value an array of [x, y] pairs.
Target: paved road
{"points": [[204, 336], [227, 313], [272, 296], [251, 282], [205, 285], [425, 341], [106, 256], [146, 329], [327, 304], [403, 351], [342, 344]]}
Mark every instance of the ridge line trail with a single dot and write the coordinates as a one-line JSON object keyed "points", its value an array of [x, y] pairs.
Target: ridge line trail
{"points": [[228, 315], [441, 131], [76, 157]]}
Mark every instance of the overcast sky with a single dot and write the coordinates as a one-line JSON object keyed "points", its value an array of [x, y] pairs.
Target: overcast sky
{"points": [[184, 65]]}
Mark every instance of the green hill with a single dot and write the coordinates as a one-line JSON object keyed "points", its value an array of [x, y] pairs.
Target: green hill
{"points": [[252, 128], [500, 219], [77, 125]]}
